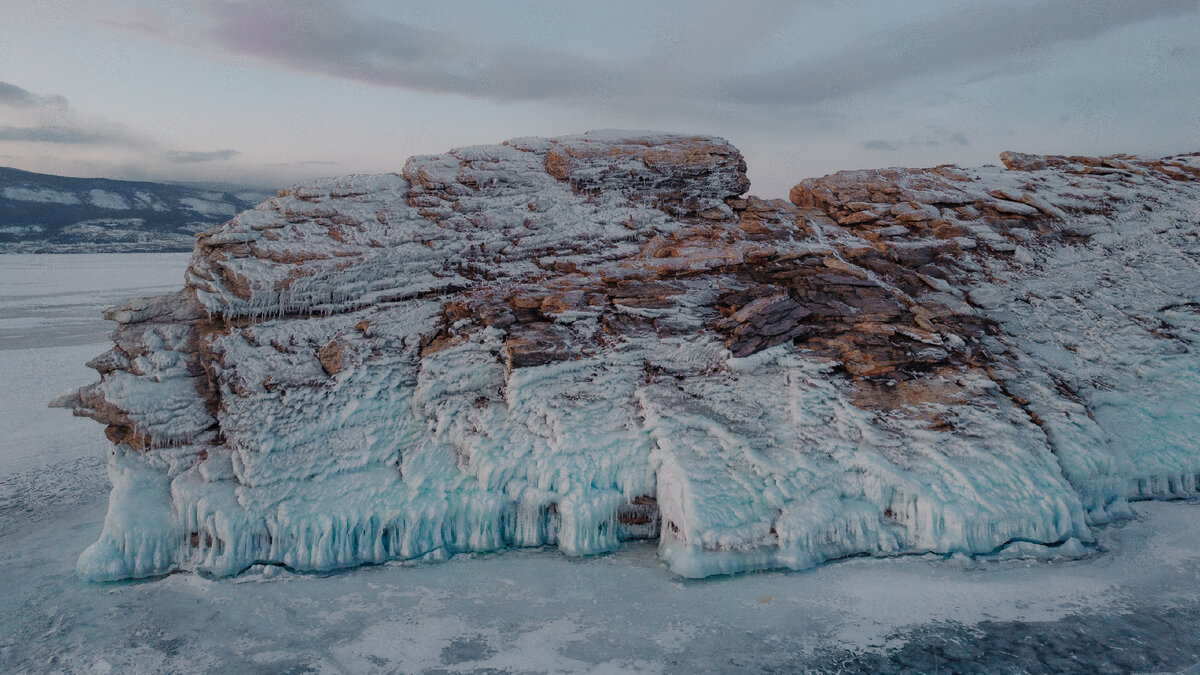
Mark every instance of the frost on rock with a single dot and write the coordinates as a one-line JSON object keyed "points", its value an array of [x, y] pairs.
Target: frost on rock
{"points": [[576, 341]]}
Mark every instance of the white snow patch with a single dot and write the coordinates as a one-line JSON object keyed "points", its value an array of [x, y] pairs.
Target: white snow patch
{"points": [[147, 200], [43, 195], [209, 207], [107, 200], [21, 229]]}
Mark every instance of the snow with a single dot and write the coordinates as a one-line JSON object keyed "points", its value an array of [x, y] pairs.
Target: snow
{"points": [[107, 200], [523, 610], [46, 195], [21, 229], [150, 201], [105, 228], [210, 206]]}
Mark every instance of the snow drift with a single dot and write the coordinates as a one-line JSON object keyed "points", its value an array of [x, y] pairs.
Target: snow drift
{"points": [[575, 341]]}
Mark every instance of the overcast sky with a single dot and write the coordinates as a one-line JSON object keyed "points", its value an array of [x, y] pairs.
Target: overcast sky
{"points": [[271, 93]]}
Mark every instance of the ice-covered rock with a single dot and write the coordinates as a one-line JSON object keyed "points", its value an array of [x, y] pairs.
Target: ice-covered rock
{"points": [[581, 340]]}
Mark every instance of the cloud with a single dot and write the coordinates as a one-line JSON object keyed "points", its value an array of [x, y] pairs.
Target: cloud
{"points": [[12, 95], [325, 37], [936, 136], [68, 129], [301, 163], [50, 134], [881, 145], [27, 117], [993, 38], [187, 157], [839, 84], [45, 133], [49, 120]]}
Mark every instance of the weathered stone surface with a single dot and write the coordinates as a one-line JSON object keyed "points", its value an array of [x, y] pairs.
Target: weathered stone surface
{"points": [[332, 357], [689, 175]]}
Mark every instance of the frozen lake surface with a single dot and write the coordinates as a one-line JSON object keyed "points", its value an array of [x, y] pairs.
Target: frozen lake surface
{"points": [[1131, 605]]}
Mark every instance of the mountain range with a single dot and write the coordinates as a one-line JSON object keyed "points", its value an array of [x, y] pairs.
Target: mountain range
{"points": [[42, 213]]}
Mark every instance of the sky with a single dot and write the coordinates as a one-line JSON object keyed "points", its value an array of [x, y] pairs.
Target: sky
{"points": [[274, 93]]}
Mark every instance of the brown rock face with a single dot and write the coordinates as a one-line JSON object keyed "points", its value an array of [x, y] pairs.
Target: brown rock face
{"points": [[685, 177], [332, 357], [762, 317]]}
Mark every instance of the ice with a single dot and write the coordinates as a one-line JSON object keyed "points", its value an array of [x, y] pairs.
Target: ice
{"points": [[1092, 325], [50, 326], [1132, 599], [34, 435], [934, 490], [394, 468], [315, 407]]}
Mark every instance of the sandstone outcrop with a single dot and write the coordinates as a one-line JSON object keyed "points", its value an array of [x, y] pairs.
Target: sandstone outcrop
{"points": [[580, 340]]}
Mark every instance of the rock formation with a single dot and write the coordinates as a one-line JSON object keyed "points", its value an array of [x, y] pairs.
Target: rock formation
{"points": [[580, 340]]}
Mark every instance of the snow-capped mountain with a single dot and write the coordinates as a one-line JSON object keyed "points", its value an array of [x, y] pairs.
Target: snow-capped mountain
{"points": [[41, 213], [581, 340]]}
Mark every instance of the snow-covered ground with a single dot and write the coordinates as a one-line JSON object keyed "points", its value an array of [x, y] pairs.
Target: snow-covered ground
{"points": [[1130, 604]]}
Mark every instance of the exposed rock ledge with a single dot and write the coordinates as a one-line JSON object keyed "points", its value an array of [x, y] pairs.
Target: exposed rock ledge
{"points": [[580, 340]]}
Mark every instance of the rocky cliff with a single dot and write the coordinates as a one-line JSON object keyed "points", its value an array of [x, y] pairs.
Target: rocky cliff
{"points": [[581, 340]]}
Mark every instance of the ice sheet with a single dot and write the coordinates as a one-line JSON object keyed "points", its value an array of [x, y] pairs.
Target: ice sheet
{"points": [[1133, 601]]}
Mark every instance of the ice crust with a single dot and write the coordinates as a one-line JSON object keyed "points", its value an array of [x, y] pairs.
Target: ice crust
{"points": [[763, 461]]}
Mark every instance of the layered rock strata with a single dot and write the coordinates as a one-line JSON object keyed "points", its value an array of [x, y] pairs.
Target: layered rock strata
{"points": [[581, 340]]}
